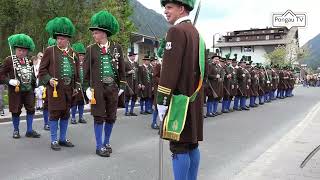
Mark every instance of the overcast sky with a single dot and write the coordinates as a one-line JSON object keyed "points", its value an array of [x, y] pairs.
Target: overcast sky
{"points": [[221, 16]]}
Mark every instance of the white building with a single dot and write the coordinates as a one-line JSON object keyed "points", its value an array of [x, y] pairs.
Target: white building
{"points": [[255, 43]]}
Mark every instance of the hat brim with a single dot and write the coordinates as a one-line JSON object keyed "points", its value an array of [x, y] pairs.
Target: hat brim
{"points": [[101, 29], [215, 56], [132, 54], [22, 47], [61, 34]]}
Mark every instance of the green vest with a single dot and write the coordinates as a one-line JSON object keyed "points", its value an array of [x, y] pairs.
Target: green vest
{"points": [[66, 68], [25, 87], [106, 68]]}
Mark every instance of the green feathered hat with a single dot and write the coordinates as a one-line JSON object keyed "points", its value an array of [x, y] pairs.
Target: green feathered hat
{"points": [[52, 42], [228, 56], [105, 21], [189, 4], [79, 48], [21, 41], [60, 26]]}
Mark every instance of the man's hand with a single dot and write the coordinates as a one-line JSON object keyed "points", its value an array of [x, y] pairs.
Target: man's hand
{"points": [[89, 93], [120, 92], [14, 82], [52, 81], [162, 111], [131, 72]]}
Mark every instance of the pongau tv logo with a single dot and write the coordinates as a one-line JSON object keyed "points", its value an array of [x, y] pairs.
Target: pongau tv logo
{"points": [[289, 19]]}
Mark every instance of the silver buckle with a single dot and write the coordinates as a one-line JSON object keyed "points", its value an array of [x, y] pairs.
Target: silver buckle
{"points": [[107, 80], [66, 80]]}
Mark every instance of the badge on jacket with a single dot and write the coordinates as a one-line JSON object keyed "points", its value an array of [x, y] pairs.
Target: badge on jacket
{"points": [[168, 46]]}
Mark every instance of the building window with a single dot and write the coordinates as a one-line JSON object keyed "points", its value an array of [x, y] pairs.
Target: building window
{"points": [[247, 37], [229, 39], [262, 31], [272, 31], [258, 37], [238, 39], [247, 49], [281, 31], [267, 37], [277, 37]]}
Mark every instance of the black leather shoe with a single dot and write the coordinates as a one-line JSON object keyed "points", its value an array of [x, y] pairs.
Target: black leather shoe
{"points": [[33, 134], [82, 121], [218, 113], [143, 112], [46, 127], [154, 126], [211, 115], [103, 152], [108, 148], [55, 146], [225, 111], [245, 108], [16, 135], [73, 121], [237, 109], [66, 143], [127, 114], [149, 112], [133, 114]]}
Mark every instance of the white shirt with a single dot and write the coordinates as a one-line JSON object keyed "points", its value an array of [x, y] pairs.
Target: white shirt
{"points": [[182, 19]]}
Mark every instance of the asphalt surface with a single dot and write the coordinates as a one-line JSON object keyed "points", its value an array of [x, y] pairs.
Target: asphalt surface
{"points": [[232, 141]]}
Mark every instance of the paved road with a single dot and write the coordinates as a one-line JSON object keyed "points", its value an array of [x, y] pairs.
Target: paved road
{"points": [[232, 141]]}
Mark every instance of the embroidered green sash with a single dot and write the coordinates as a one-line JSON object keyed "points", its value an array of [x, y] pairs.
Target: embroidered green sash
{"points": [[175, 120]]}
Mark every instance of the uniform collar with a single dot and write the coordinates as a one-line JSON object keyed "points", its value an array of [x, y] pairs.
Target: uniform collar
{"points": [[104, 45], [65, 49], [131, 61], [185, 18]]}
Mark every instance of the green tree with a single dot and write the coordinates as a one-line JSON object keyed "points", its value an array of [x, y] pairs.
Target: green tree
{"points": [[277, 56], [31, 16]]}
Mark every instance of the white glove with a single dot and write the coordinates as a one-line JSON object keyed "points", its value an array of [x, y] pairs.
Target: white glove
{"points": [[218, 76], [52, 80], [89, 93], [120, 92], [131, 72], [162, 111], [14, 82]]}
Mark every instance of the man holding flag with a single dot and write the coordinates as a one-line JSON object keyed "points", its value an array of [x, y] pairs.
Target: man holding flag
{"points": [[180, 89]]}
